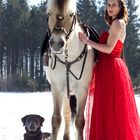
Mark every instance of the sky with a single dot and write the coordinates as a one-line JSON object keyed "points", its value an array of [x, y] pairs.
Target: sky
{"points": [[36, 2]]}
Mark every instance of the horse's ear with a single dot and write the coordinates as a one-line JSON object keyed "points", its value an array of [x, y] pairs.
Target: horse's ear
{"points": [[45, 44], [24, 119]]}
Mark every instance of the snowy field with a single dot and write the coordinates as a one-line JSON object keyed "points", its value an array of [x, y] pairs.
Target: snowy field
{"points": [[13, 106]]}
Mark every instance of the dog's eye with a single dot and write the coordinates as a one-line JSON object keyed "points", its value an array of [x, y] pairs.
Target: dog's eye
{"points": [[36, 121]]}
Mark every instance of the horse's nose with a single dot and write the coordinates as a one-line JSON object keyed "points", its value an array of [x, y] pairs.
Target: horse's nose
{"points": [[56, 44], [51, 42], [59, 43]]}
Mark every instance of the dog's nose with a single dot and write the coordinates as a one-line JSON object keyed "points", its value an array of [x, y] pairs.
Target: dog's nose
{"points": [[32, 126]]}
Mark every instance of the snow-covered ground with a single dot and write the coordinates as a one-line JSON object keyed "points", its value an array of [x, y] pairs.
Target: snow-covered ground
{"points": [[13, 106]]}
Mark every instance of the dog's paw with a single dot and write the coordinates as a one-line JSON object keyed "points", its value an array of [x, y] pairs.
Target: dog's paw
{"points": [[46, 136]]}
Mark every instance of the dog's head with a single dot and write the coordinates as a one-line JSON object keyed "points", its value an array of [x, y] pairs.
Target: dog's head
{"points": [[32, 123]]}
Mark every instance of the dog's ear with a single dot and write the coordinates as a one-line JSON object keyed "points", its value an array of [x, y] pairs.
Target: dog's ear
{"points": [[24, 119], [41, 119]]}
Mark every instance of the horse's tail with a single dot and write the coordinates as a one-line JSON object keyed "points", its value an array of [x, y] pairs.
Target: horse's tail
{"points": [[73, 104]]}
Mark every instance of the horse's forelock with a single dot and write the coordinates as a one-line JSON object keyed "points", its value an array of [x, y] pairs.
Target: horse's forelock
{"points": [[62, 4]]}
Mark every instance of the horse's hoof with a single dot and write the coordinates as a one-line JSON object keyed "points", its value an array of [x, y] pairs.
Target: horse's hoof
{"points": [[66, 137]]}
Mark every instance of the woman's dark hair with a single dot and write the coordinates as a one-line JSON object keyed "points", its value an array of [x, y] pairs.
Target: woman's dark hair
{"points": [[123, 14]]}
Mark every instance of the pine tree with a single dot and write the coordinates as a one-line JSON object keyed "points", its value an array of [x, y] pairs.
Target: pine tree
{"points": [[87, 11], [1, 51], [132, 39], [101, 13]]}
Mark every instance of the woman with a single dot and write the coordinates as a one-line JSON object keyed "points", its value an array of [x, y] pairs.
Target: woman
{"points": [[114, 114]]}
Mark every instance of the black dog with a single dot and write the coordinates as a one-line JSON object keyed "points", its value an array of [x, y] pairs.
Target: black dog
{"points": [[33, 125]]}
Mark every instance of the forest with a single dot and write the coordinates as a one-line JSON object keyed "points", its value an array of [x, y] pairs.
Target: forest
{"points": [[22, 31]]}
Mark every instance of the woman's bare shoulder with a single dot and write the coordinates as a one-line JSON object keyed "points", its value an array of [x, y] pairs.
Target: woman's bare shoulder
{"points": [[118, 29], [117, 24]]}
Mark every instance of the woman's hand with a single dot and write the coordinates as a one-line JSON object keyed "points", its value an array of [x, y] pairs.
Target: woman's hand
{"points": [[83, 38]]}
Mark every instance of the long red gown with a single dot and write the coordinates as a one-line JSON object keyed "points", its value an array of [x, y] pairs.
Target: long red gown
{"points": [[114, 115]]}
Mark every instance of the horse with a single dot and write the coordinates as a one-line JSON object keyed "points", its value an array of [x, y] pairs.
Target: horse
{"points": [[70, 66]]}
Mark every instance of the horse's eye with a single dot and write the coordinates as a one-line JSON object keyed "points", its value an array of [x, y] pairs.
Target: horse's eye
{"points": [[49, 14], [71, 14]]}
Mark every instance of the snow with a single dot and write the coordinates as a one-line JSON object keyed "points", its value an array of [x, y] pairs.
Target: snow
{"points": [[13, 106]]}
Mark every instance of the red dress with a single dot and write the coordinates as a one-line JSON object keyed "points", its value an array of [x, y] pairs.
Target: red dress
{"points": [[114, 114]]}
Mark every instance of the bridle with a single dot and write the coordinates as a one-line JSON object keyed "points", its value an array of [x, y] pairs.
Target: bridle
{"points": [[66, 63], [60, 17]]}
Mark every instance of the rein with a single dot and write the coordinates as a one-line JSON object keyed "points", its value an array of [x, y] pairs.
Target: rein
{"points": [[68, 66]]}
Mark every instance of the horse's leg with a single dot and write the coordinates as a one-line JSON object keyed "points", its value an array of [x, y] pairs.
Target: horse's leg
{"points": [[56, 117], [67, 118], [79, 120]]}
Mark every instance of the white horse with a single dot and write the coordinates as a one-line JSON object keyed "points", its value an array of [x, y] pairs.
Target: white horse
{"points": [[70, 66]]}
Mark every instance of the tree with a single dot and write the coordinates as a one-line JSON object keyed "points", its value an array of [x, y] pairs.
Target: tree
{"points": [[132, 40], [37, 30], [101, 12], [1, 50], [14, 21], [87, 11], [22, 30]]}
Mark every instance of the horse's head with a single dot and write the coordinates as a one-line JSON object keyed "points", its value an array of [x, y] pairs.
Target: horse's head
{"points": [[61, 21]]}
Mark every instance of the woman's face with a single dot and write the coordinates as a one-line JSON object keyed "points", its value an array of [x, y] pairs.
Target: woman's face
{"points": [[113, 8]]}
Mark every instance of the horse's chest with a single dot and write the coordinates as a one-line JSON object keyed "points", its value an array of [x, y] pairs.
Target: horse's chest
{"points": [[60, 73]]}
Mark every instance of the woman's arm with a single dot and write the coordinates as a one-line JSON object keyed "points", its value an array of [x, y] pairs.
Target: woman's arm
{"points": [[113, 37]]}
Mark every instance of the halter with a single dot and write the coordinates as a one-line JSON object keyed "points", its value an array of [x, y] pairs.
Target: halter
{"points": [[60, 18], [66, 63]]}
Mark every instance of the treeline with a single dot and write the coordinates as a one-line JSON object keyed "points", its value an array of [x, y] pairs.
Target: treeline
{"points": [[22, 30]]}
